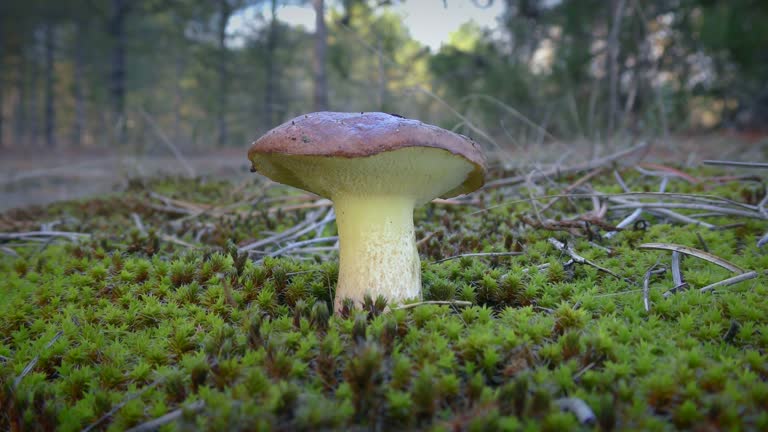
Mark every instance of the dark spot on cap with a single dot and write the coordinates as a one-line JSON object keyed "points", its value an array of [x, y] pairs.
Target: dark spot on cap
{"points": [[396, 115]]}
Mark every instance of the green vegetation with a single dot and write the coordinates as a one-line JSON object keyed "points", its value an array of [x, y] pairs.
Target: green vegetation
{"points": [[125, 327]]}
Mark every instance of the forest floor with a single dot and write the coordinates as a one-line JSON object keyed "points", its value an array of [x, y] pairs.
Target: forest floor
{"points": [[619, 292], [41, 177]]}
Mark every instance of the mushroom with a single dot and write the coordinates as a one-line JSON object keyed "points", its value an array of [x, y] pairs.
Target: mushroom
{"points": [[376, 168]]}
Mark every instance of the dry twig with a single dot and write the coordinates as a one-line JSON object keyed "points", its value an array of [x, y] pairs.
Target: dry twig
{"points": [[567, 249], [694, 252], [168, 418], [479, 254], [579, 408], [730, 281], [28, 368], [567, 170]]}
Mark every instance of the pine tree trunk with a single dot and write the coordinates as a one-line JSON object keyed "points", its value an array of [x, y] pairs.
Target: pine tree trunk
{"points": [[613, 47], [33, 110], [78, 126], [117, 73], [20, 115], [321, 46], [223, 73], [270, 66], [50, 95]]}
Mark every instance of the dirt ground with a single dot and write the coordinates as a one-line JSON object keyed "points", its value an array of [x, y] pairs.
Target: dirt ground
{"points": [[43, 177]]}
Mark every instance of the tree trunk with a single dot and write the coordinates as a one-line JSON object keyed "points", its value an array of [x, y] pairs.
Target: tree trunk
{"points": [[117, 73], [178, 92], [271, 65], [225, 12], [2, 89], [613, 47], [78, 125], [20, 115], [33, 110], [321, 46], [50, 95], [382, 74]]}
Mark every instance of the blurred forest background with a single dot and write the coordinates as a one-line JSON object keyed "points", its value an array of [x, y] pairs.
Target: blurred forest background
{"points": [[93, 75]]}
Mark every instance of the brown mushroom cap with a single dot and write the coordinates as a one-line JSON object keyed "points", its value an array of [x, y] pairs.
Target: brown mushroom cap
{"points": [[358, 135]]}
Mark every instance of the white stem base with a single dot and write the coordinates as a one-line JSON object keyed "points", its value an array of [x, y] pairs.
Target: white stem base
{"points": [[377, 249]]}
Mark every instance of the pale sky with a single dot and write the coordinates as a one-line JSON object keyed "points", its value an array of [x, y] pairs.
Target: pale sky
{"points": [[428, 21]]}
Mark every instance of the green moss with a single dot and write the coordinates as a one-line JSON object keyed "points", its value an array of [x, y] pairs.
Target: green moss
{"points": [[150, 327]]}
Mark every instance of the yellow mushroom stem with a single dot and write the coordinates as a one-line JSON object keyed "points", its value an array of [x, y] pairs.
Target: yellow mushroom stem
{"points": [[377, 249]]}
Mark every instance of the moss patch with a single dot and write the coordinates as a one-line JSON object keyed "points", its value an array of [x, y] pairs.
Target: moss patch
{"points": [[126, 327]]}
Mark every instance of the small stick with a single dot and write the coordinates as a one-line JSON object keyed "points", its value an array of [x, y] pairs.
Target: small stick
{"points": [[299, 244], [539, 267], [119, 406], [702, 242], [683, 218], [677, 275], [585, 178], [28, 368], [137, 220], [629, 220], [730, 281], [578, 258], [628, 204], [425, 238], [33, 234], [620, 181], [435, 302], [647, 284], [694, 252], [763, 240], [167, 418], [171, 146], [287, 233], [479, 254], [565, 170], [736, 164], [676, 289], [579, 408], [9, 251]]}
